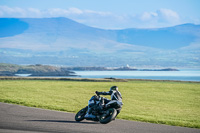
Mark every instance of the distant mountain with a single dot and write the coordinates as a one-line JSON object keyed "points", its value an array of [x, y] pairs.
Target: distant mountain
{"points": [[10, 27], [164, 38], [66, 42]]}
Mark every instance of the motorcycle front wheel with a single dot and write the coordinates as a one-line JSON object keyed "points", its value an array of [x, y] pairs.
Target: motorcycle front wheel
{"points": [[109, 116], [80, 115]]}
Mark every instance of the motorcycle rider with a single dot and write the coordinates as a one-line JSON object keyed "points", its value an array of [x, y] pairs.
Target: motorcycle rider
{"points": [[115, 95]]}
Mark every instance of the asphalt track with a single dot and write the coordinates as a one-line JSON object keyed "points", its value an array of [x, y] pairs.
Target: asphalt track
{"points": [[21, 119]]}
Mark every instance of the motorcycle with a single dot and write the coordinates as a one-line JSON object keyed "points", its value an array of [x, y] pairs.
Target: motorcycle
{"points": [[104, 113]]}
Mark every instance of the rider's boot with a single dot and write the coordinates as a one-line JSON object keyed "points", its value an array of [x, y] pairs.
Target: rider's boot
{"points": [[89, 115]]}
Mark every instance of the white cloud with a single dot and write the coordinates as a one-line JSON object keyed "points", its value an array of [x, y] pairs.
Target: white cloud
{"points": [[55, 12], [33, 10], [11, 12], [34, 13], [108, 20], [168, 15], [148, 16], [75, 11], [161, 15]]}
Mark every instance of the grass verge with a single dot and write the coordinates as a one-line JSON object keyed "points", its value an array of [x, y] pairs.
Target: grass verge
{"points": [[171, 103]]}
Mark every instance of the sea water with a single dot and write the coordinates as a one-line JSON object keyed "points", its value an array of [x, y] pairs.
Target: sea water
{"points": [[184, 75]]}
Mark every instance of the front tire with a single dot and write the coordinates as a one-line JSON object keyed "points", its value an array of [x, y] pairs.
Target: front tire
{"points": [[111, 114], [80, 115]]}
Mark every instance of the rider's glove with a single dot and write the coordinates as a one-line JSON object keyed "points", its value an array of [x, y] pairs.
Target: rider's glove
{"points": [[97, 92]]}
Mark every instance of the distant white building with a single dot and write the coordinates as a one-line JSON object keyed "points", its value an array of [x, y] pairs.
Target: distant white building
{"points": [[127, 66]]}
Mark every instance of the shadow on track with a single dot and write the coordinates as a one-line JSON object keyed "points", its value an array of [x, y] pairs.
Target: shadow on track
{"points": [[63, 121]]}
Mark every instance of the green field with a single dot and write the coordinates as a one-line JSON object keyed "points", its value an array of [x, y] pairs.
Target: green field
{"points": [[172, 103]]}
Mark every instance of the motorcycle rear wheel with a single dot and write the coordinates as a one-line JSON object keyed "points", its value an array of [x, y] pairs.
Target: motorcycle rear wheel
{"points": [[111, 114], [80, 115]]}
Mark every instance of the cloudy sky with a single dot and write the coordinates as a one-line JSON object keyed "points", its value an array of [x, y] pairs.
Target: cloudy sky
{"points": [[108, 14]]}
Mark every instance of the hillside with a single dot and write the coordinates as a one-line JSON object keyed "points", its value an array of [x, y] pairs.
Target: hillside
{"points": [[47, 31], [64, 41], [33, 70], [163, 38]]}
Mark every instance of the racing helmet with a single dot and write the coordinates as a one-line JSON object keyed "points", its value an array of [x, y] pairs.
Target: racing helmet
{"points": [[114, 88]]}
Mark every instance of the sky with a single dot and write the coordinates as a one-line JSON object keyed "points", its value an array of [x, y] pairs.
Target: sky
{"points": [[108, 14]]}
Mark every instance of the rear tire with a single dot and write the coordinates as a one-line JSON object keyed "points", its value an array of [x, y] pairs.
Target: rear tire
{"points": [[81, 114], [111, 115]]}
